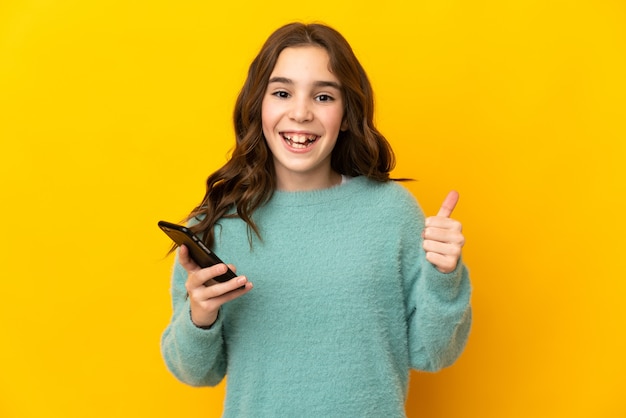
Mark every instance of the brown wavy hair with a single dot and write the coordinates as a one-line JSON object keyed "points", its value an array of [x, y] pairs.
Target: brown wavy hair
{"points": [[248, 179]]}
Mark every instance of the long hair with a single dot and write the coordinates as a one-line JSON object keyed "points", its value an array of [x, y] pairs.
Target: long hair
{"points": [[247, 180]]}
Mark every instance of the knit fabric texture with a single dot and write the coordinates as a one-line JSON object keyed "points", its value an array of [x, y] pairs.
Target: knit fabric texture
{"points": [[344, 304]]}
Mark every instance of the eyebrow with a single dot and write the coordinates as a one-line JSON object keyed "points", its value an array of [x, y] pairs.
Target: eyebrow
{"points": [[321, 83]]}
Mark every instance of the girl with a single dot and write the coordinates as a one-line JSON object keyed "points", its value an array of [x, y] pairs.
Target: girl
{"points": [[353, 287]]}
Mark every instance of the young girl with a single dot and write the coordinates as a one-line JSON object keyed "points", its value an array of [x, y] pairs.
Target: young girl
{"points": [[353, 287]]}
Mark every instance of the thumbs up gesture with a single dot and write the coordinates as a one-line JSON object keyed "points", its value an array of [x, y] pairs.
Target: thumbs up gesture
{"points": [[442, 236]]}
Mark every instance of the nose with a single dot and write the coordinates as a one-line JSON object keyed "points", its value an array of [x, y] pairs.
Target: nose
{"points": [[301, 111]]}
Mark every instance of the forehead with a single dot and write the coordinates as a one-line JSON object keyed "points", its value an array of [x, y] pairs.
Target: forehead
{"points": [[304, 61]]}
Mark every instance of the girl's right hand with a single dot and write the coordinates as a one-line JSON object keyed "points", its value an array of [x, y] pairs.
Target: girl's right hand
{"points": [[205, 294]]}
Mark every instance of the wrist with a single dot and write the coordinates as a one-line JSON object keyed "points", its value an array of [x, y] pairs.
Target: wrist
{"points": [[202, 324]]}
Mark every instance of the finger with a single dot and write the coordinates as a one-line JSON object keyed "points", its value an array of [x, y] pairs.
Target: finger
{"points": [[199, 277], [445, 264], [186, 261], [234, 294], [443, 248], [443, 223], [443, 235], [219, 293], [449, 204], [224, 292]]}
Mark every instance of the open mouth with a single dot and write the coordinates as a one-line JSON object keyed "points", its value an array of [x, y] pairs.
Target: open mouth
{"points": [[299, 140]]}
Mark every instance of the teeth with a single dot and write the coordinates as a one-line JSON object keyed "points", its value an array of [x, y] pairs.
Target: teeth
{"points": [[299, 139]]}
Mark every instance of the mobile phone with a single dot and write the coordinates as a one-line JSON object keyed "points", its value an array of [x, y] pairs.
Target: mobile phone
{"points": [[198, 252]]}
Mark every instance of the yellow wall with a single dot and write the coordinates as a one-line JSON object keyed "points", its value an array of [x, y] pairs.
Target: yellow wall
{"points": [[113, 112]]}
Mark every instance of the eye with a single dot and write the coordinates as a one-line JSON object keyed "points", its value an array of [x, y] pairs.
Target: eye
{"points": [[324, 98], [281, 94]]}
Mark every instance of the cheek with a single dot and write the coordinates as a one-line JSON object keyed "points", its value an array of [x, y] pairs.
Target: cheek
{"points": [[265, 124], [337, 121], [268, 117]]}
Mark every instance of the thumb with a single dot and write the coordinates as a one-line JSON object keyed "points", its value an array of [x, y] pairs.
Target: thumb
{"points": [[449, 204]]}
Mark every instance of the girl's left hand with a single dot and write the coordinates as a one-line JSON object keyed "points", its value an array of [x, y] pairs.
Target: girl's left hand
{"points": [[443, 238]]}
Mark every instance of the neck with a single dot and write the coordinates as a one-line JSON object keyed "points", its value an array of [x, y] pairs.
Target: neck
{"points": [[297, 183]]}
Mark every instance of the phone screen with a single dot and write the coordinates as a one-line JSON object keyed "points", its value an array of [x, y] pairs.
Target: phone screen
{"points": [[199, 252]]}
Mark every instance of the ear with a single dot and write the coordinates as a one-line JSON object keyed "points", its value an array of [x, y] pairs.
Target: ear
{"points": [[344, 125]]}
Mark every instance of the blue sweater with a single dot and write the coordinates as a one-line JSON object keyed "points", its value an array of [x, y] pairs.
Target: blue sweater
{"points": [[344, 304]]}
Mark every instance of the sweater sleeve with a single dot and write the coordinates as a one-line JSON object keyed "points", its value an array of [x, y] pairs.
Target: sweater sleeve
{"points": [[438, 307], [195, 356]]}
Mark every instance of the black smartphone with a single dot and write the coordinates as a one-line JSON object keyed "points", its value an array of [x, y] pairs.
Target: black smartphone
{"points": [[199, 252]]}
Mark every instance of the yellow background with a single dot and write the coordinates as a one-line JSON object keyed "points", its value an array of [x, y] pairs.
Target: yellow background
{"points": [[112, 113]]}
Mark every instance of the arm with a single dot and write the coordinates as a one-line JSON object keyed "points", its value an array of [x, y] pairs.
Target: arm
{"points": [[438, 296], [193, 349], [439, 318]]}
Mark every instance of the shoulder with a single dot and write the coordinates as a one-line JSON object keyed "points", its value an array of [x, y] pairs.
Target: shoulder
{"points": [[390, 194]]}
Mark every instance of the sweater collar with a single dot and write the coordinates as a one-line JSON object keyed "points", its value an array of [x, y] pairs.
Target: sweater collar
{"points": [[318, 197]]}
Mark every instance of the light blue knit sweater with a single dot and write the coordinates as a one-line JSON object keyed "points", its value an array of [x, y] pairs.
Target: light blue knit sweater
{"points": [[344, 304]]}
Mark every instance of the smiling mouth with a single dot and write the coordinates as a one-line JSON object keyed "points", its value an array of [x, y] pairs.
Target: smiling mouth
{"points": [[299, 140]]}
